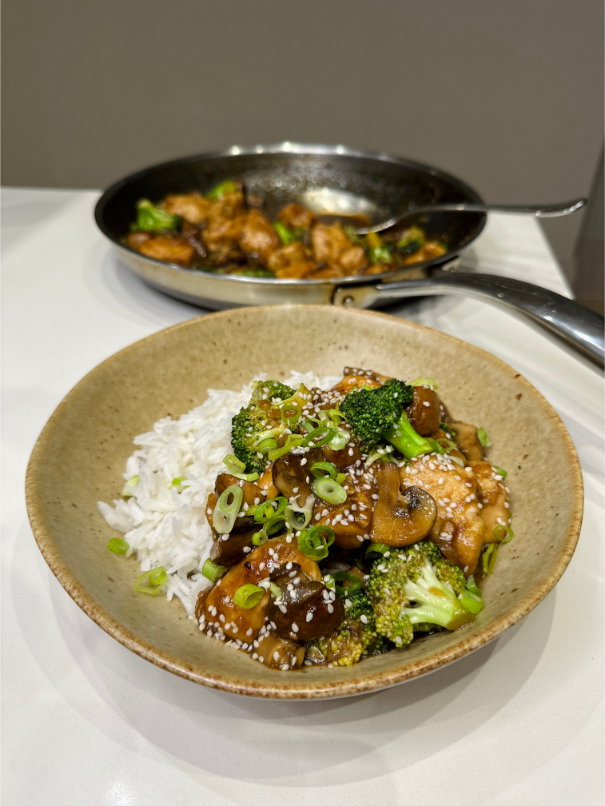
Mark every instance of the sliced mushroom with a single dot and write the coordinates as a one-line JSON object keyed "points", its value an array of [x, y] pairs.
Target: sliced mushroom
{"points": [[424, 411], [286, 572], [292, 478], [468, 441], [280, 653], [306, 610], [400, 519], [231, 549]]}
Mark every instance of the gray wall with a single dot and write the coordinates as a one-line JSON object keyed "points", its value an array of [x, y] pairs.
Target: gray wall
{"points": [[506, 93]]}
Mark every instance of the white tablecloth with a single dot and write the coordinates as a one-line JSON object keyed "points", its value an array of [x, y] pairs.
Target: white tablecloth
{"points": [[87, 722]]}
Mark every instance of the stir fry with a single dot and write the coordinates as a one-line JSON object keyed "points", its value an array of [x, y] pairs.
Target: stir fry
{"points": [[349, 521], [227, 232]]}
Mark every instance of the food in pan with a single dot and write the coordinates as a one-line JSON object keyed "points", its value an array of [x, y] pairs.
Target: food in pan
{"points": [[315, 521], [227, 232]]}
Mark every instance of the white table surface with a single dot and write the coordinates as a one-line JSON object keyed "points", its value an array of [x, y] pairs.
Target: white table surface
{"points": [[87, 722]]}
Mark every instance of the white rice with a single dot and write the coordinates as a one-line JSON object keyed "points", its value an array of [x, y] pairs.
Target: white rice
{"points": [[165, 527]]}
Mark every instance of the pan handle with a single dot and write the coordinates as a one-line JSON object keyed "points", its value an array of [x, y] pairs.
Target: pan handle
{"points": [[578, 326]]}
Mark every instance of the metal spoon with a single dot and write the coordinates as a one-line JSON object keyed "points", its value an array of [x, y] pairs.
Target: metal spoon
{"points": [[539, 210], [579, 327]]}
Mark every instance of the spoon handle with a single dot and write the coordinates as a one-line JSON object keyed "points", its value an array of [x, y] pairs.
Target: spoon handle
{"points": [[579, 327], [539, 210]]}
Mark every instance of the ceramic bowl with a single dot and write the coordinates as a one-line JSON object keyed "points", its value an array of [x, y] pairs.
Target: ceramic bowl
{"points": [[80, 457]]}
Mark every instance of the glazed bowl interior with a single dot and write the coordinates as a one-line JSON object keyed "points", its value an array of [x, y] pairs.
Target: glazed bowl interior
{"points": [[80, 457]]}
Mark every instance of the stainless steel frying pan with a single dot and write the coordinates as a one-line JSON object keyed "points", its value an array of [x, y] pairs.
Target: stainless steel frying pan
{"points": [[335, 179]]}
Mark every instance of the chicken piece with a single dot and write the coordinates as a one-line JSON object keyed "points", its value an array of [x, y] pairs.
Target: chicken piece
{"points": [[355, 382], [240, 622], [225, 221], [280, 653], [297, 271], [191, 206], [136, 239], [266, 483], [459, 527], [467, 441], [328, 242], [169, 249], [292, 215], [424, 411], [352, 261], [350, 520], [430, 250], [257, 238], [326, 273], [287, 256], [378, 268], [493, 495]]}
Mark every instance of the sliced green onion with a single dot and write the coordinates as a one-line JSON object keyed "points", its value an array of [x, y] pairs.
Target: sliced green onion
{"points": [[260, 538], [151, 582], [266, 446], [352, 578], [212, 571], [471, 597], [248, 596], [129, 486], [377, 548], [264, 513], [315, 542], [483, 438], [436, 446], [329, 490], [504, 534], [290, 407], [319, 436], [331, 414], [178, 481], [225, 511], [118, 545], [341, 477], [284, 234], [270, 433], [299, 517], [373, 457], [275, 590], [222, 189], [237, 468], [423, 382], [457, 459], [488, 558], [446, 444], [329, 582], [292, 441], [341, 440], [500, 471], [321, 469]]}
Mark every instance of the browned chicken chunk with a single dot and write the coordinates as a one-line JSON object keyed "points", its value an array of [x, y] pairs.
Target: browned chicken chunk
{"points": [[193, 207], [257, 238]]}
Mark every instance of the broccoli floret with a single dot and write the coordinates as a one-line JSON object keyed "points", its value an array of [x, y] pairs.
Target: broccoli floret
{"points": [[151, 218], [354, 639], [417, 589], [270, 390], [378, 413], [411, 241], [252, 424]]}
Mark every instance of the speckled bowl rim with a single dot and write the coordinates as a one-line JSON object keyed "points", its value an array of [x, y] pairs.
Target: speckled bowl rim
{"points": [[293, 687]]}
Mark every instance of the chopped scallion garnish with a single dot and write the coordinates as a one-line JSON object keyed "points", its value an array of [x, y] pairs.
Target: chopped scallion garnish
{"points": [[500, 471], [151, 582], [484, 440], [315, 542], [329, 490], [118, 545], [227, 508], [488, 558], [423, 382], [504, 534], [321, 469], [132, 482], [377, 548], [212, 571], [248, 596]]}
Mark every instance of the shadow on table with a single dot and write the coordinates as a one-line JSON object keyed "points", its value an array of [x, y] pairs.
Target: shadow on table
{"points": [[282, 742]]}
